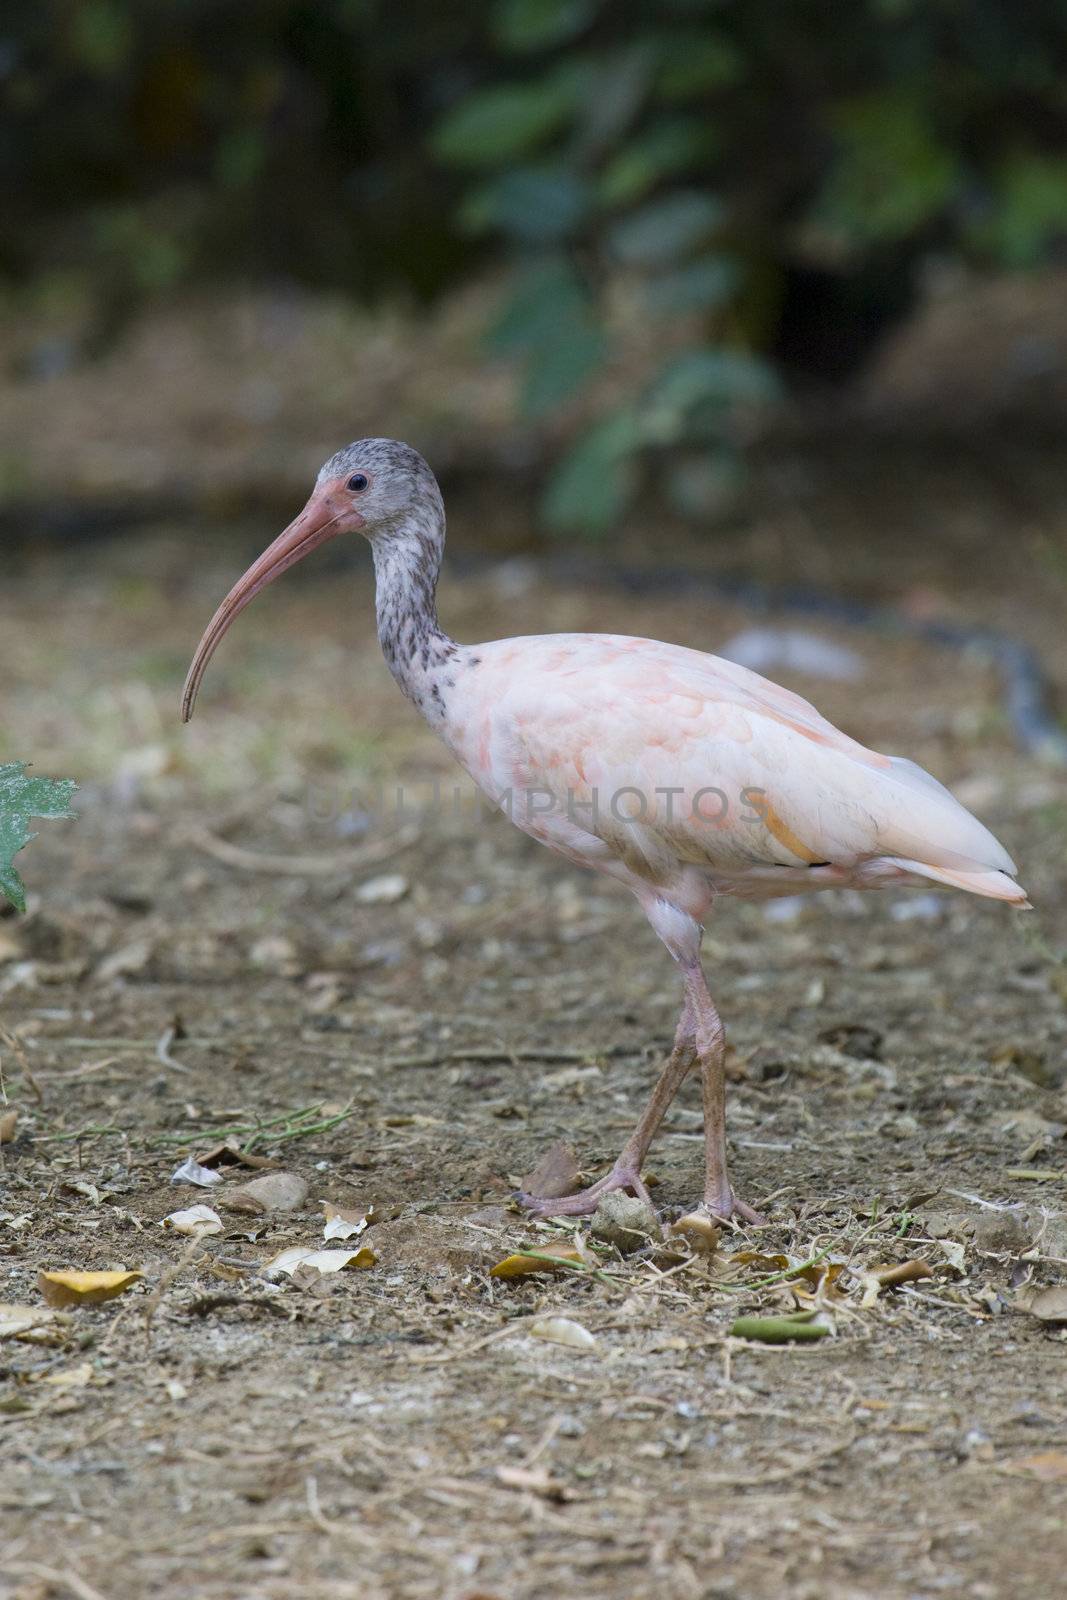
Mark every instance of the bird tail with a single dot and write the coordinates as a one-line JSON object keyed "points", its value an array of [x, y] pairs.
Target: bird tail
{"points": [[978, 880]]}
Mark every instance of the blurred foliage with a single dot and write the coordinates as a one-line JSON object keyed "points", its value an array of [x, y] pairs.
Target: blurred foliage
{"points": [[748, 188], [740, 169]]}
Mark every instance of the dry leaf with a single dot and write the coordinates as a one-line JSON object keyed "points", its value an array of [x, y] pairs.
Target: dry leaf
{"points": [[28, 1322], [383, 891], [84, 1288], [699, 1232], [561, 1330], [952, 1250], [888, 1276], [564, 1257], [274, 1191], [875, 1279], [299, 1255], [71, 1377], [555, 1175], [196, 1221], [1049, 1466], [344, 1224], [229, 1154], [191, 1171], [8, 1123], [535, 1480]]}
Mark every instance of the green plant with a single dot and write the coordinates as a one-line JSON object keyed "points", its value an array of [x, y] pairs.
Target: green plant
{"points": [[22, 798], [720, 161]]}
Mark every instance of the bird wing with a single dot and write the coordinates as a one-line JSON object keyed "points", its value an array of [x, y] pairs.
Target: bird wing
{"points": [[664, 753]]}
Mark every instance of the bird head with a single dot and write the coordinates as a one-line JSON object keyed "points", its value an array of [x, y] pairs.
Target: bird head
{"points": [[377, 487]]}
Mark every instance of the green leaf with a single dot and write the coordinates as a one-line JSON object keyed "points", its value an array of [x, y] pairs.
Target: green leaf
{"points": [[591, 487], [21, 798], [536, 24], [698, 386], [692, 64], [700, 286], [777, 1330], [494, 126], [705, 484], [1029, 212], [558, 367], [545, 297], [892, 173], [668, 146], [665, 228], [537, 205]]}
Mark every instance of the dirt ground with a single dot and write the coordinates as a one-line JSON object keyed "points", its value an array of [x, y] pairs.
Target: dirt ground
{"points": [[198, 963]]}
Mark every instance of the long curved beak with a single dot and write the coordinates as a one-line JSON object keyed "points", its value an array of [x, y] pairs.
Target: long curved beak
{"points": [[316, 523]]}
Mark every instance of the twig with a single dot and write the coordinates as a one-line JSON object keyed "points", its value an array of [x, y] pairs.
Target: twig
{"points": [[53, 1576], [154, 1300], [234, 855], [17, 1048], [163, 1055]]}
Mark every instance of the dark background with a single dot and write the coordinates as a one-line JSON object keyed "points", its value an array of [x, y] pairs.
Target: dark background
{"points": [[669, 221]]}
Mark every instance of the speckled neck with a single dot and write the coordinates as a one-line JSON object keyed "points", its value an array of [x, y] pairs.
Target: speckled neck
{"points": [[418, 652]]}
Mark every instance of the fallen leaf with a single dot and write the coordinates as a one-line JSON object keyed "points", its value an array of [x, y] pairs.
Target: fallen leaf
{"points": [[191, 1171], [84, 1288], [71, 1377], [564, 1257], [953, 1252], [777, 1330], [875, 1279], [1049, 1466], [1034, 1174], [196, 1221], [899, 1272], [1049, 1305], [816, 1274], [383, 891], [555, 1175], [344, 1224], [299, 1255], [699, 1231], [229, 1154], [8, 1123], [27, 1322], [535, 1480], [274, 1191], [561, 1330]]}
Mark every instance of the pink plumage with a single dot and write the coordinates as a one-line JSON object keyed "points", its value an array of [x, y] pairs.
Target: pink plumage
{"points": [[680, 775]]}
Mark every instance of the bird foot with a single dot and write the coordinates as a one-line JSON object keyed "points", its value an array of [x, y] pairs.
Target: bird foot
{"points": [[623, 1175], [724, 1206]]}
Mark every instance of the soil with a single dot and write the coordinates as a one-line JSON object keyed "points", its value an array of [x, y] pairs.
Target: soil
{"points": [[202, 959]]}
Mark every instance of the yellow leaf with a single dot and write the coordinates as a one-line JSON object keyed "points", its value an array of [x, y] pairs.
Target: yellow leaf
{"points": [[518, 1266], [71, 1377], [84, 1288]]}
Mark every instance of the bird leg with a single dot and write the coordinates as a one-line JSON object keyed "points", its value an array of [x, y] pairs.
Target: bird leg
{"points": [[626, 1173], [710, 1039]]}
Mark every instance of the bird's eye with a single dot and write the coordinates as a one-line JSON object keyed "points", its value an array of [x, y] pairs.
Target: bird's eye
{"points": [[357, 482]]}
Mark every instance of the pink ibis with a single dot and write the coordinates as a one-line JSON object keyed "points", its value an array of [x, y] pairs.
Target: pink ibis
{"points": [[680, 775]]}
